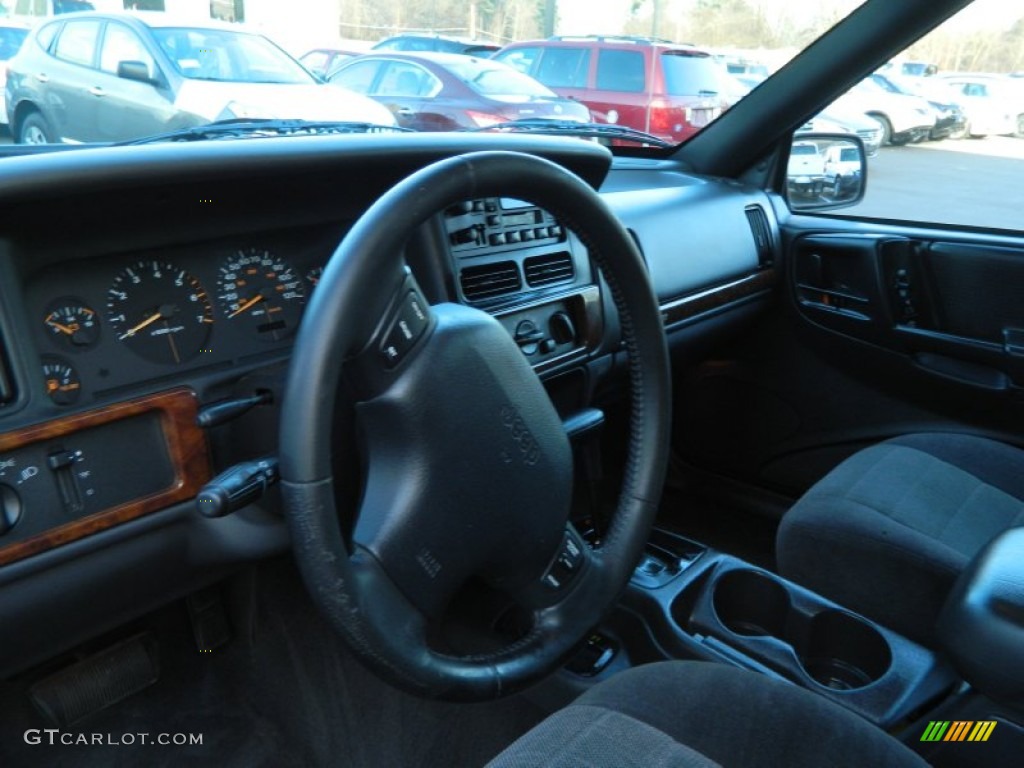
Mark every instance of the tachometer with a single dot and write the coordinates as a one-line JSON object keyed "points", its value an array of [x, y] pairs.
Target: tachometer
{"points": [[262, 291], [159, 311]]}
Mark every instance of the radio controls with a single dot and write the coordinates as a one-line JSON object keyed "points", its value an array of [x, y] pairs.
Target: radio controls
{"points": [[497, 239]]}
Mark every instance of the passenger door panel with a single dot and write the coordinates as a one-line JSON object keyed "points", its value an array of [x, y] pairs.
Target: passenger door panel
{"points": [[883, 330]]}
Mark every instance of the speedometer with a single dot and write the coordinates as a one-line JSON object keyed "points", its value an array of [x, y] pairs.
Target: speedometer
{"points": [[159, 311], [261, 291]]}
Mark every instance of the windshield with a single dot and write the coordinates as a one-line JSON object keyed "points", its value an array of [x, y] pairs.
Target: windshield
{"points": [[212, 54], [669, 69]]}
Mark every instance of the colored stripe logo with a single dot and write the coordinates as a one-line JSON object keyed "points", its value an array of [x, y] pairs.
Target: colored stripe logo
{"points": [[958, 730]]}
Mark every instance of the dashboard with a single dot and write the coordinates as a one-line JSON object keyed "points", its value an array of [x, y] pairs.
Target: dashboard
{"points": [[139, 289]]}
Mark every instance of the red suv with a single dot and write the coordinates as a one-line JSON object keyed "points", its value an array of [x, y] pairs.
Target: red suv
{"points": [[669, 90]]}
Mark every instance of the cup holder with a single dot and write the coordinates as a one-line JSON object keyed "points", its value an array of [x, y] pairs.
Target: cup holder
{"points": [[751, 603], [843, 652], [834, 648]]}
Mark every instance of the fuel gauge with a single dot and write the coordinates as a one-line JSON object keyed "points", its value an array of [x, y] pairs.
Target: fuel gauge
{"points": [[63, 385], [71, 324]]}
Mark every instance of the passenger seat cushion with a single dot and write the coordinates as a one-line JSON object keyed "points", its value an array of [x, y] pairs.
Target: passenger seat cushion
{"points": [[887, 532]]}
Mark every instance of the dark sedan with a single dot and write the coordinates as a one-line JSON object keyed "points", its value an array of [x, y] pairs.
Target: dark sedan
{"points": [[444, 91]]}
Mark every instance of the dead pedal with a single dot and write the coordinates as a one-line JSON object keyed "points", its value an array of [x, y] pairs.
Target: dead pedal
{"points": [[99, 681]]}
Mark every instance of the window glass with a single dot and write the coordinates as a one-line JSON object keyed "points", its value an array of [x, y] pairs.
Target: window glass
{"points": [[495, 79], [689, 74], [224, 55], [620, 71], [77, 42], [121, 44], [564, 67], [315, 60], [405, 80], [954, 153], [521, 59], [358, 77]]}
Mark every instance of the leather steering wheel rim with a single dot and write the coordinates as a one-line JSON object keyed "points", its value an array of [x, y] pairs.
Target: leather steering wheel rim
{"points": [[377, 600]]}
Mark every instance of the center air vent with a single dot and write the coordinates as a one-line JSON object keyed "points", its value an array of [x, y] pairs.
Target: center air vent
{"points": [[762, 233], [489, 280], [549, 269]]}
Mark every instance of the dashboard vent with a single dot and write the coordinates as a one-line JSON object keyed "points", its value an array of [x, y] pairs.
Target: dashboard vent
{"points": [[762, 232], [7, 392], [549, 269], [489, 280]]}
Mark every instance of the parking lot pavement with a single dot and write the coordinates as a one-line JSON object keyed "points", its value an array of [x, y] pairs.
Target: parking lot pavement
{"points": [[972, 182]]}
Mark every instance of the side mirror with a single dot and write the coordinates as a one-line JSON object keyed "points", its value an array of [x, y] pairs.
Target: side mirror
{"points": [[824, 171], [135, 70]]}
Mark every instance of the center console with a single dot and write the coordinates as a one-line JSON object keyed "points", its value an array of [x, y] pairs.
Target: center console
{"points": [[693, 602]]}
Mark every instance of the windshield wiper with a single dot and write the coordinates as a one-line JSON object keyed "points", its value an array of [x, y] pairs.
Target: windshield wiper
{"points": [[245, 128], [553, 127]]}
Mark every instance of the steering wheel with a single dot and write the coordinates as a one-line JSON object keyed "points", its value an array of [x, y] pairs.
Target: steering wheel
{"points": [[468, 469]]}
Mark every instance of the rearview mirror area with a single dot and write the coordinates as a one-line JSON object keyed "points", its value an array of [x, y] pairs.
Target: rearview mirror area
{"points": [[825, 171]]}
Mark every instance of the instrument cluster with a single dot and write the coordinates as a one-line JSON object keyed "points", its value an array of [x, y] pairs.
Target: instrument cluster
{"points": [[106, 322]]}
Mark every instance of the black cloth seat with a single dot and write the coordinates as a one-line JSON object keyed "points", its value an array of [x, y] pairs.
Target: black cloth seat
{"points": [[887, 532], [693, 714]]}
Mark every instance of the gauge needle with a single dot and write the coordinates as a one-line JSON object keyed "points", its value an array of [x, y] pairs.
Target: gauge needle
{"points": [[148, 321], [251, 302], [70, 330]]}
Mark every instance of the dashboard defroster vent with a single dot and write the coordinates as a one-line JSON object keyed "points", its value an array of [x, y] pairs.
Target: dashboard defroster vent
{"points": [[762, 233], [488, 280], [549, 269]]}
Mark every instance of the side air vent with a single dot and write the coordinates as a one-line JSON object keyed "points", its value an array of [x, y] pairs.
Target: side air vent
{"points": [[7, 392], [762, 233], [549, 269], [489, 280]]}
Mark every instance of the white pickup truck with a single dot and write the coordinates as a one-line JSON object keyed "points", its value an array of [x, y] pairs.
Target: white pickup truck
{"points": [[805, 174]]}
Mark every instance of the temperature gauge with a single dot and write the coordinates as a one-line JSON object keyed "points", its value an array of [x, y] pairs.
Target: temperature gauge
{"points": [[71, 324], [63, 386]]}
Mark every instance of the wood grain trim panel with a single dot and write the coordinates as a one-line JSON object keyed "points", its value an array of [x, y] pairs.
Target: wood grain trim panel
{"points": [[714, 298], [186, 447]]}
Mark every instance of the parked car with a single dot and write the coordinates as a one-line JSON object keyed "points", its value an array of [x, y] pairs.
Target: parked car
{"points": [[447, 91], [996, 100], [950, 120], [805, 171], [322, 61], [842, 119], [671, 91], [437, 44], [12, 35], [115, 77], [902, 118], [843, 169]]}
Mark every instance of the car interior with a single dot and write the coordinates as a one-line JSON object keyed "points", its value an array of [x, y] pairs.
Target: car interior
{"points": [[460, 449]]}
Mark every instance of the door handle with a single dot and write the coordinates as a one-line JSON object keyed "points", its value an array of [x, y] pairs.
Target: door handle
{"points": [[42, 77], [97, 91], [406, 112]]}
